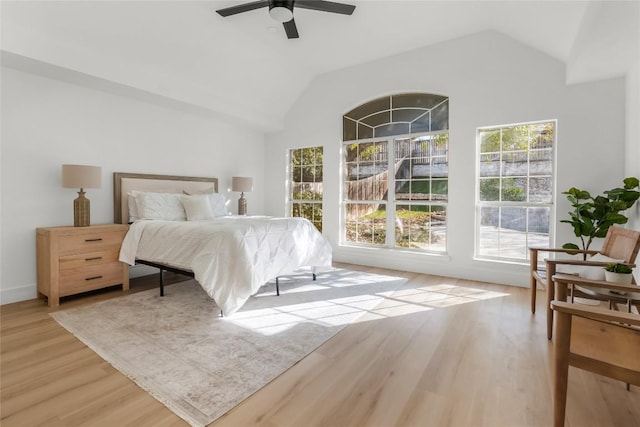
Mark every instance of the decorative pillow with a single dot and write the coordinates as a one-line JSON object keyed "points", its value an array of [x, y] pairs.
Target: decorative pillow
{"points": [[219, 204], [166, 206], [197, 208], [218, 201], [596, 272]]}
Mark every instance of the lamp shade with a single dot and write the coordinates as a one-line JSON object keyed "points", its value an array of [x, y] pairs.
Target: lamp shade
{"points": [[242, 184], [80, 176]]}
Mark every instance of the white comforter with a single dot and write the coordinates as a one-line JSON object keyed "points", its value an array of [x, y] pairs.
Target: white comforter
{"points": [[231, 257]]}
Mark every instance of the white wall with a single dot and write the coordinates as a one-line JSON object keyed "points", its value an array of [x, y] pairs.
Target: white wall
{"points": [[491, 80], [632, 148], [632, 154], [47, 122]]}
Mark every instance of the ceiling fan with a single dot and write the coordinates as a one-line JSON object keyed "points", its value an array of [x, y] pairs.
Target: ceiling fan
{"points": [[282, 10]]}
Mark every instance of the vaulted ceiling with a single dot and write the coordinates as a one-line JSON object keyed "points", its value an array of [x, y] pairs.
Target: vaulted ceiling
{"points": [[184, 54]]}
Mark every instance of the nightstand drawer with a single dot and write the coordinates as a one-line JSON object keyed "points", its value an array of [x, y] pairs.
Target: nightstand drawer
{"points": [[89, 242], [87, 259], [76, 280]]}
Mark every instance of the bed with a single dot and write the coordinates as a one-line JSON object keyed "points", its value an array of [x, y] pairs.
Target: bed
{"points": [[230, 256]]}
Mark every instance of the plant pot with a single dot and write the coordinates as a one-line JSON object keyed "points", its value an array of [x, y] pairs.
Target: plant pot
{"points": [[623, 279]]}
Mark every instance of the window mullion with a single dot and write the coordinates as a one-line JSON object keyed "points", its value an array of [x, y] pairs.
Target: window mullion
{"points": [[391, 194]]}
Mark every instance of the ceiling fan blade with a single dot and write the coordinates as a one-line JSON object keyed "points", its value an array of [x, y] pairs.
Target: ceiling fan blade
{"points": [[326, 6], [234, 10], [291, 29]]}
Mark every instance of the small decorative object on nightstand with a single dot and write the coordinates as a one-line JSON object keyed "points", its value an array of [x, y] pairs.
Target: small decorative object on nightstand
{"points": [[243, 185], [72, 260]]}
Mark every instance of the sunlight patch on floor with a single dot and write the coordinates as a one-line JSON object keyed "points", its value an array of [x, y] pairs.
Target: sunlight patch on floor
{"points": [[337, 312], [415, 300]]}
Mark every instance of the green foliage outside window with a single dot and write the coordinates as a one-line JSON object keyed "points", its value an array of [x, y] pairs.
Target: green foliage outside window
{"points": [[490, 190], [516, 138], [311, 211]]}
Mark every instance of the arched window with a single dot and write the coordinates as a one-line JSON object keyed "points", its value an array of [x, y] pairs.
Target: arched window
{"points": [[396, 172]]}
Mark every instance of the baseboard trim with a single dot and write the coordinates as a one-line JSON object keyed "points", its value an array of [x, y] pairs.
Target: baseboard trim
{"points": [[23, 293], [440, 265]]}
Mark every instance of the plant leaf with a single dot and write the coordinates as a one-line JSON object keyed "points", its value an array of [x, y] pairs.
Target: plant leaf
{"points": [[570, 246], [631, 183]]}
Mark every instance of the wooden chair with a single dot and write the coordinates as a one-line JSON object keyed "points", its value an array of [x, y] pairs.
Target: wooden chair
{"points": [[620, 243], [602, 341]]}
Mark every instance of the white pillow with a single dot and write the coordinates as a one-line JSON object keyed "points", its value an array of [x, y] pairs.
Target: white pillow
{"points": [[133, 206], [219, 204], [166, 206], [197, 208], [596, 272]]}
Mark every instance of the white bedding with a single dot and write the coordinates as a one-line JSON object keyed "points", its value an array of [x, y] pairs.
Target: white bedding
{"points": [[231, 257]]}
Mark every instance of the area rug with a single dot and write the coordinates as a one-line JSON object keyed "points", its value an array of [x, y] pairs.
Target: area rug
{"points": [[201, 365]]}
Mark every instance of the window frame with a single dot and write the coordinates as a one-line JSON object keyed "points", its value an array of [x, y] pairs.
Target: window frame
{"points": [[391, 202], [291, 201], [480, 204]]}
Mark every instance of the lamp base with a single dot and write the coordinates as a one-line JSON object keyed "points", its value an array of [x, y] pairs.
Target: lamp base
{"points": [[81, 210], [242, 205]]}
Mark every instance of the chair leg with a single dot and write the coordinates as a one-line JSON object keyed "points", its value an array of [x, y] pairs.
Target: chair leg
{"points": [[551, 289], [549, 313], [533, 267], [533, 285], [561, 368]]}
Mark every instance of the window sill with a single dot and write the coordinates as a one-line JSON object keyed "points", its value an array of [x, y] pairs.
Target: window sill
{"points": [[501, 261]]}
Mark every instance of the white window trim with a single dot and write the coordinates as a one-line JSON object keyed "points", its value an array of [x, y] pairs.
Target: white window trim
{"points": [[479, 204]]}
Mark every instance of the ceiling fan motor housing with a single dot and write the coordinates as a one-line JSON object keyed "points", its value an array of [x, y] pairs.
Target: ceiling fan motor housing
{"points": [[281, 10]]}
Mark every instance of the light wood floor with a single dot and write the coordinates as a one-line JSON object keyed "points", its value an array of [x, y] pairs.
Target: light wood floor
{"points": [[439, 352]]}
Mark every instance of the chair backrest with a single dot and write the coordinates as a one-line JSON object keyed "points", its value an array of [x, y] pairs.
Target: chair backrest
{"points": [[621, 243]]}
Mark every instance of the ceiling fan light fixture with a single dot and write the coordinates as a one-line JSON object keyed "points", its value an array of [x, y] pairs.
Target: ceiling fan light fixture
{"points": [[281, 11]]}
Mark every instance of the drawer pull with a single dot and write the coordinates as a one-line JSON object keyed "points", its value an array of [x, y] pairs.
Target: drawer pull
{"points": [[93, 278], [95, 258], [93, 240]]}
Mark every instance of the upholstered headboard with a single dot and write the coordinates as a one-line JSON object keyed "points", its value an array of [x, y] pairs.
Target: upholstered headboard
{"points": [[123, 183]]}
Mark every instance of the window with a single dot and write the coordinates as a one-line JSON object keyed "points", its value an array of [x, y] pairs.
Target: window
{"points": [[422, 189], [396, 172], [365, 192], [305, 198], [515, 189]]}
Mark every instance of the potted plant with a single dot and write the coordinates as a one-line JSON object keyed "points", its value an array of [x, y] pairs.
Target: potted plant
{"points": [[592, 216], [618, 273]]}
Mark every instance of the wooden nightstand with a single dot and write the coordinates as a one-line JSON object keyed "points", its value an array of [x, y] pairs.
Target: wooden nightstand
{"points": [[72, 260]]}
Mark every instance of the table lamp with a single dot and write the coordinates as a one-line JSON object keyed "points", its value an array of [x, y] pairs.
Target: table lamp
{"points": [[243, 185], [79, 176]]}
